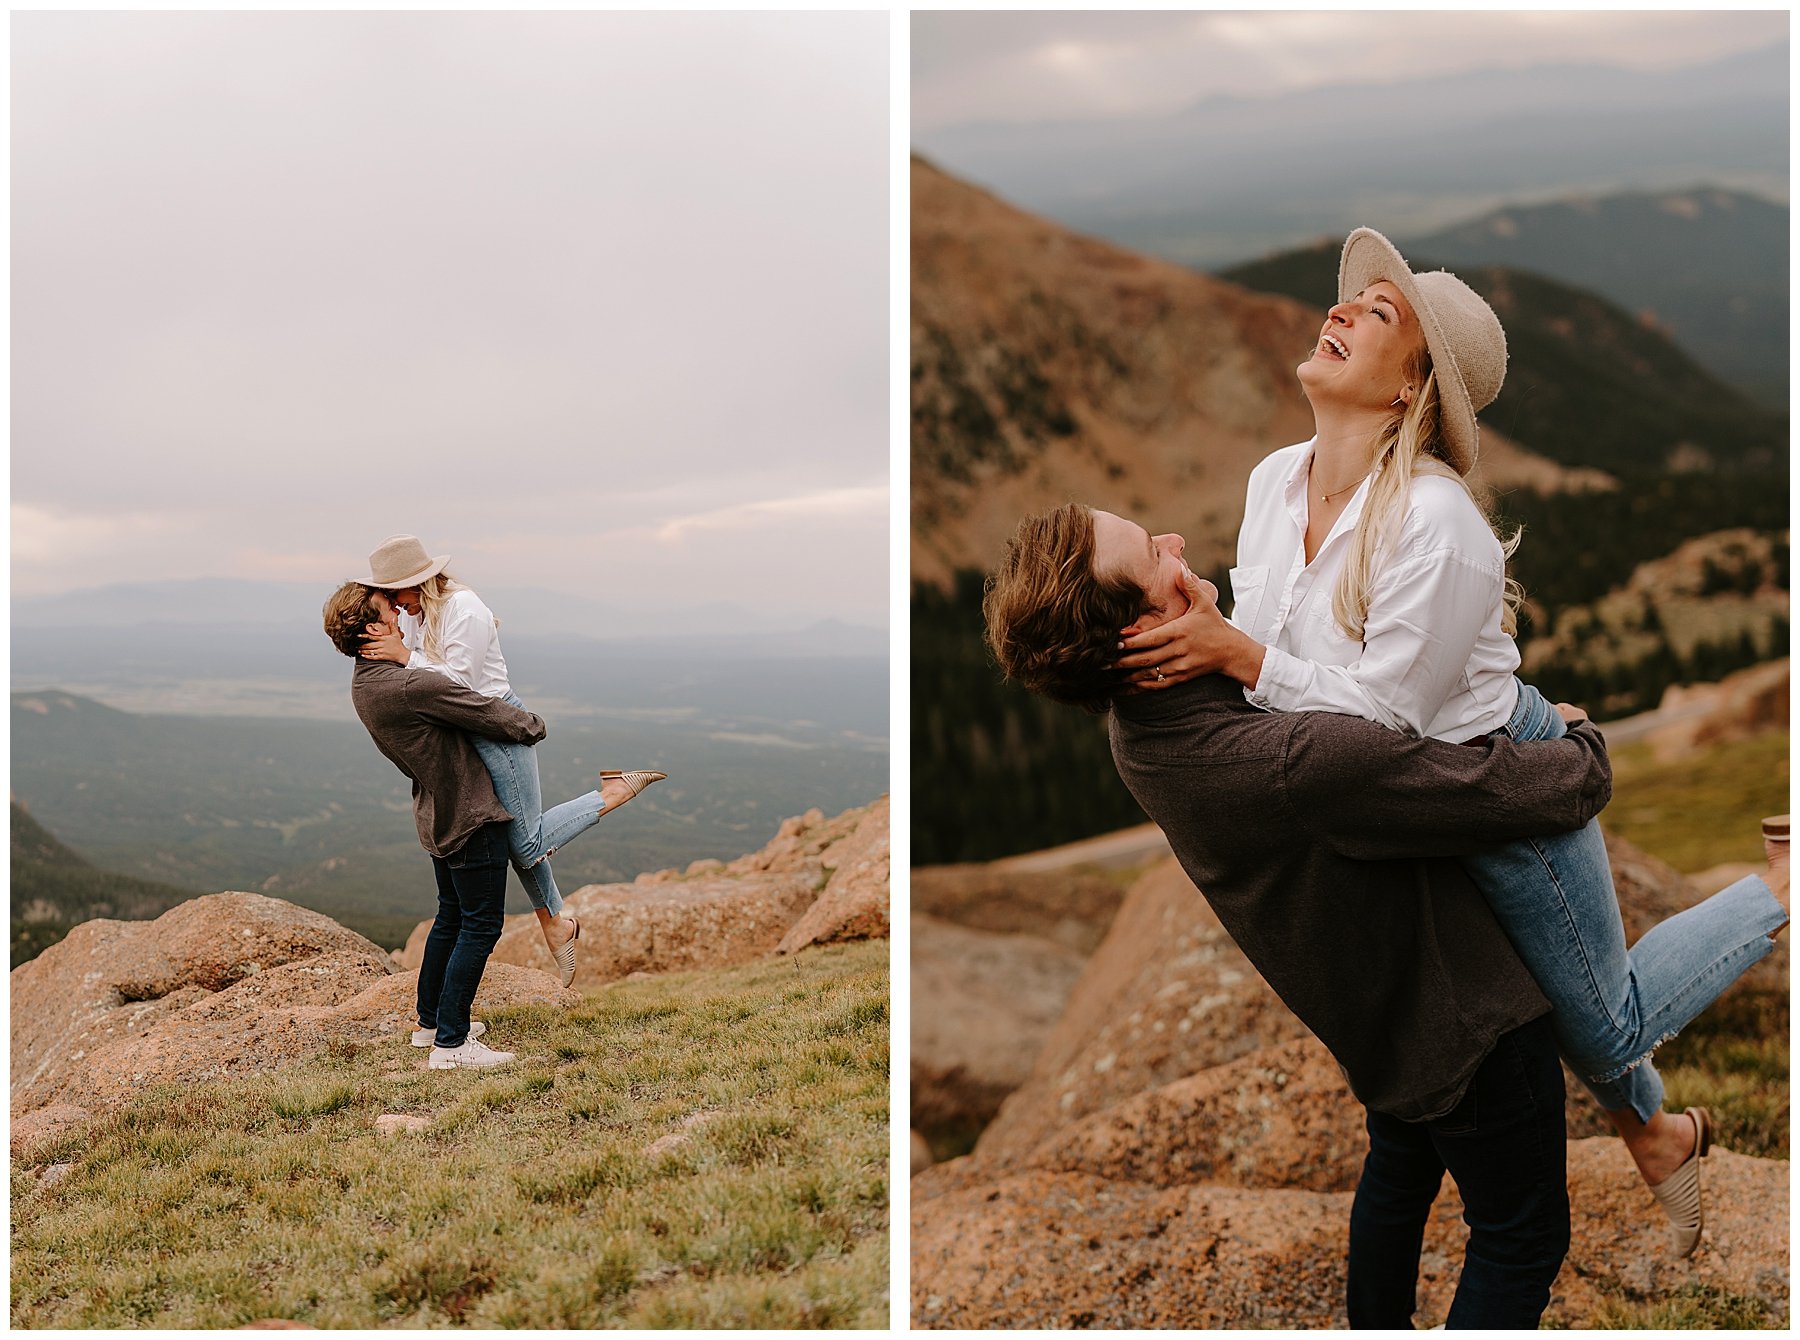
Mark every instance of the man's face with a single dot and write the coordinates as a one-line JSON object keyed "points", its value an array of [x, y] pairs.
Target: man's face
{"points": [[384, 607], [1154, 562]]}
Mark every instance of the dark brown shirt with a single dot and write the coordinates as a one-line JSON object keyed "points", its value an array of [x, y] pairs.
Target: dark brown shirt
{"points": [[418, 719], [1327, 846]]}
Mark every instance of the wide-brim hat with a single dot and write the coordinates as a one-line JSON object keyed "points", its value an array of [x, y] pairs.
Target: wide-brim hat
{"points": [[1467, 343], [401, 561]]}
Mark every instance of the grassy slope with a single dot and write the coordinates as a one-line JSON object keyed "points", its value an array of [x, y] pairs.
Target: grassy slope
{"points": [[530, 1201], [1703, 810]]}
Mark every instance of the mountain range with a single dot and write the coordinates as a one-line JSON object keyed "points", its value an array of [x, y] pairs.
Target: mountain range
{"points": [[1228, 179], [1707, 267]]}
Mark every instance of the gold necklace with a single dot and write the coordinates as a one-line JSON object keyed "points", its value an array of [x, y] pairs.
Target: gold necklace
{"points": [[1338, 493]]}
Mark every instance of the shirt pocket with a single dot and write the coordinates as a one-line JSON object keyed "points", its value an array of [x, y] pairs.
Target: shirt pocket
{"points": [[1249, 587]]}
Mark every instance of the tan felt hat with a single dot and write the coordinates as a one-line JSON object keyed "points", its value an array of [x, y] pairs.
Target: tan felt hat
{"points": [[401, 561], [1468, 346]]}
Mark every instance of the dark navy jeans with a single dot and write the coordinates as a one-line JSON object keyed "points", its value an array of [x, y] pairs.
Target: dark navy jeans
{"points": [[471, 910], [1504, 1147]]}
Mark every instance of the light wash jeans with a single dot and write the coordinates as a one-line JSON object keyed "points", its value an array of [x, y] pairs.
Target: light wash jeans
{"points": [[1554, 899], [535, 832]]}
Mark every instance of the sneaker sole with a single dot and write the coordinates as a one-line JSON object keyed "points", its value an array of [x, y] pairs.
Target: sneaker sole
{"points": [[460, 1065]]}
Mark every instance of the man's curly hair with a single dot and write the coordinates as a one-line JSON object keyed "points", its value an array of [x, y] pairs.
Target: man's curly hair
{"points": [[1052, 622], [346, 613]]}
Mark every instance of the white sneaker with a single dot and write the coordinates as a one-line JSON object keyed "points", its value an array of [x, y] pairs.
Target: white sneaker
{"points": [[427, 1037], [472, 1055]]}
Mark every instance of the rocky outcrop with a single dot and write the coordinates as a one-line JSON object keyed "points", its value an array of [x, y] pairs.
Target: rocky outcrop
{"points": [[1072, 908], [1183, 1154], [818, 880], [228, 984], [113, 981], [854, 905], [1166, 995], [1047, 1249], [983, 1003]]}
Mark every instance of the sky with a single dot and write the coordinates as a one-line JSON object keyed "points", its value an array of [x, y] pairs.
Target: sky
{"points": [[595, 302], [1067, 65]]}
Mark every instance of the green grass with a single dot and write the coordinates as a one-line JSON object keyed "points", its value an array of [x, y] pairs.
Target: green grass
{"points": [[1703, 810], [1692, 1307], [531, 1200]]}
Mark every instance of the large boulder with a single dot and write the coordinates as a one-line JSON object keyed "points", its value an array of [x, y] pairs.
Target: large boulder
{"points": [[854, 905], [1168, 994], [388, 1007], [715, 913], [109, 982], [1072, 908], [1048, 1249], [983, 1003], [712, 921], [1282, 1117], [85, 1047], [1067, 1250]]}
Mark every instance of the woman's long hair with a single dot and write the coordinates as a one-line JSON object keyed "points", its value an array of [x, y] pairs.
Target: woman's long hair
{"points": [[1406, 447], [433, 592]]}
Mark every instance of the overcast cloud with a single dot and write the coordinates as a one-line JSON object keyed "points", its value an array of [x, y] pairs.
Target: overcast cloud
{"points": [[1066, 65], [596, 302]]}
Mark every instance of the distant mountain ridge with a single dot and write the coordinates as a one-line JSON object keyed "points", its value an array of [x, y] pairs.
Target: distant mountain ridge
{"points": [[54, 889], [237, 602], [1710, 267], [1229, 179]]}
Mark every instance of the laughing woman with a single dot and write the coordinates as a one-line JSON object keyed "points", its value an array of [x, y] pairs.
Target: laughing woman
{"points": [[445, 627], [1369, 583]]}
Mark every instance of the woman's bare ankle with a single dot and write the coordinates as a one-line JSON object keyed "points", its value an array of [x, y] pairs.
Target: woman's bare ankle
{"points": [[1659, 1146]]}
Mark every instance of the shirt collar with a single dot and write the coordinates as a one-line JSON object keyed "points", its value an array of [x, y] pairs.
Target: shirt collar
{"points": [[1295, 497]]}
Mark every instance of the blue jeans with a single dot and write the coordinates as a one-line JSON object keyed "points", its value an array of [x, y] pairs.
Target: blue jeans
{"points": [[1554, 898], [1504, 1146], [536, 832], [471, 911]]}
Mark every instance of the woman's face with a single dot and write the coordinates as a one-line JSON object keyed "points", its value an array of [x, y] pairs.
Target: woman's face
{"points": [[407, 600], [1361, 357]]}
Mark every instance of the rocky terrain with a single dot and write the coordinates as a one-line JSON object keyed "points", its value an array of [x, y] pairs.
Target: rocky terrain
{"points": [[1181, 1153], [1047, 365], [818, 881], [237, 983]]}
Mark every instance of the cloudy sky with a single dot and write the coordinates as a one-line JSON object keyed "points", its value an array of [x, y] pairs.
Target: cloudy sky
{"points": [[596, 302], [1031, 66]]}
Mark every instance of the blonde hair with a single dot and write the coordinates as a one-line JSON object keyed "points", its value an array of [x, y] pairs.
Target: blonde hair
{"points": [[434, 592], [1408, 446]]}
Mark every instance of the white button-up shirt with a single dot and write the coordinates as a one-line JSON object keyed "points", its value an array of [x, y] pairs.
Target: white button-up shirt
{"points": [[1433, 660], [470, 643]]}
